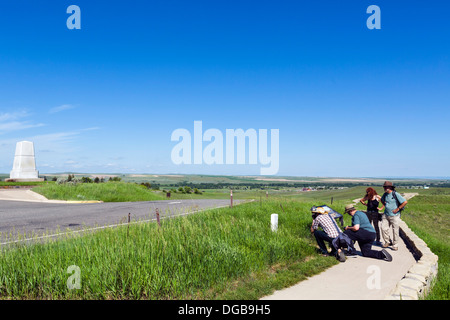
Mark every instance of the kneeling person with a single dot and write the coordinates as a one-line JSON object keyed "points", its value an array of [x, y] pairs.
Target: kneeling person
{"points": [[363, 232], [323, 220]]}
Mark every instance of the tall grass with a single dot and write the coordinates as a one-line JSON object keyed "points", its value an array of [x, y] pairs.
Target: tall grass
{"points": [[195, 256]]}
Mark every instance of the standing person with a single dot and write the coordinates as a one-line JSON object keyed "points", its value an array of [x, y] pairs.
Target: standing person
{"points": [[371, 201], [363, 232], [393, 203], [324, 220]]}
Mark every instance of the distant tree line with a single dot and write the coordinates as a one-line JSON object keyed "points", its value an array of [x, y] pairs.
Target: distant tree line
{"points": [[256, 186], [274, 185], [71, 179], [189, 187]]}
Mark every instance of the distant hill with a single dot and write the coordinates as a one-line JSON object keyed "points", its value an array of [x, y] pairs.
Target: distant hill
{"points": [[222, 180]]}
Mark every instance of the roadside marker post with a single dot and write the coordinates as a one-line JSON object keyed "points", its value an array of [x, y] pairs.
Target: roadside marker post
{"points": [[231, 198], [274, 222], [128, 227], [157, 217]]}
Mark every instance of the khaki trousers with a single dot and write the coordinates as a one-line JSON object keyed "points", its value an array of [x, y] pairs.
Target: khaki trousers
{"points": [[386, 224]]}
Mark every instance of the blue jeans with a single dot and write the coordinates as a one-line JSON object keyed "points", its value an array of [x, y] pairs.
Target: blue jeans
{"points": [[321, 236], [365, 239]]}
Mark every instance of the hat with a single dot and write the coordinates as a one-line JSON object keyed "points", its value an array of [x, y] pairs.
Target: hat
{"points": [[388, 184], [349, 207]]}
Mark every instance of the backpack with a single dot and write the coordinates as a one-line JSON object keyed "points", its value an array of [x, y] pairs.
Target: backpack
{"points": [[394, 194], [342, 240]]}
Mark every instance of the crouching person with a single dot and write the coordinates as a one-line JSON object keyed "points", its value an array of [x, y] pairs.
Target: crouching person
{"points": [[363, 232], [328, 232]]}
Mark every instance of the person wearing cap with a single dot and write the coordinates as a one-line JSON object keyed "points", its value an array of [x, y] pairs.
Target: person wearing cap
{"points": [[362, 231], [391, 217], [324, 220]]}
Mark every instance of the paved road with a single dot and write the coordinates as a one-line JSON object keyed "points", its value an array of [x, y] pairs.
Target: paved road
{"points": [[26, 218]]}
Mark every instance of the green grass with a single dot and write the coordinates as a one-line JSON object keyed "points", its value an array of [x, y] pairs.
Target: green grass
{"points": [[30, 183], [218, 254], [107, 192], [428, 215], [124, 192]]}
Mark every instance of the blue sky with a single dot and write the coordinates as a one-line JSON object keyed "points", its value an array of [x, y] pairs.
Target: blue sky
{"points": [[348, 101]]}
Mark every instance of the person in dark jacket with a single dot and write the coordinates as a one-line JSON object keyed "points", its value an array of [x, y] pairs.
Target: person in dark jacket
{"points": [[362, 231], [371, 200]]}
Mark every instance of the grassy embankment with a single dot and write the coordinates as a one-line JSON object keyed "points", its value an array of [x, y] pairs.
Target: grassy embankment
{"points": [[32, 183], [428, 215], [126, 191], [107, 192], [218, 254]]}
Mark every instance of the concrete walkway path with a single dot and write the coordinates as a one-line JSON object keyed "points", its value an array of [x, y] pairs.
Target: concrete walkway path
{"points": [[358, 278], [21, 195], [30, 196]]}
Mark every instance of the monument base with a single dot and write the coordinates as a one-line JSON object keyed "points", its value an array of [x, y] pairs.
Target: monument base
{"points": [[24, 166], [24, 180]]}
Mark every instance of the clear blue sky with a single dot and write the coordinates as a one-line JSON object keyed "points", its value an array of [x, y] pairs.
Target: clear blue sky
{"points": [[348, 101]]}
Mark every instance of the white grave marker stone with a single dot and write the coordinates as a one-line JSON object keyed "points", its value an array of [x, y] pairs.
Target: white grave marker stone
{"points": [[274, 222]]}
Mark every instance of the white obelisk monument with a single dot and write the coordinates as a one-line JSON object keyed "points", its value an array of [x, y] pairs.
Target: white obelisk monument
{"points": [[24, 167]]}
